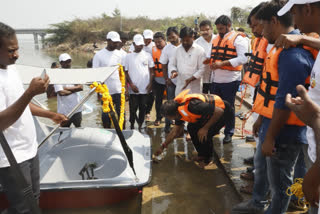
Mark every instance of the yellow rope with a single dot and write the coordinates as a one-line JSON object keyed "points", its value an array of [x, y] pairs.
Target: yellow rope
{"points": [[296, 189], [107, 99]]}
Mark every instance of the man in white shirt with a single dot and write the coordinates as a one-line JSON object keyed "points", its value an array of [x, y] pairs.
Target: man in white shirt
{"points": [[306, 17], [67, 96], [138, 66], [205, 41], [106, 57], [166, 55], [227, 58], [187, 64], [148, 42], [17, 123]]}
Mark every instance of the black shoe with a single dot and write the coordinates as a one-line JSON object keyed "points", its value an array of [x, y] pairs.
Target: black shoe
{"points": [[250, 138], [227, 139], [248, 161], [132, 126]]}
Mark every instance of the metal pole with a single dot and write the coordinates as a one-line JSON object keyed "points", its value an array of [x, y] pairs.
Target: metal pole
{"points": [[92, 91]]}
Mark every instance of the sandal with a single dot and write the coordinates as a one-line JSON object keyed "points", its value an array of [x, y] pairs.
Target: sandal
{"points": [[247, 189], [247, 176], [157, 123]]}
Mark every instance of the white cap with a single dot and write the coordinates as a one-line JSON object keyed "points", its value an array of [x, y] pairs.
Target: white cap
{"points": [[138, 39], [64, 57], [287, 7], [148, 34], [114, 36]]}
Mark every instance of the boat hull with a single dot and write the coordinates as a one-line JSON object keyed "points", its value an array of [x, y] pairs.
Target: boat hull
{"points": [[74, 199]]}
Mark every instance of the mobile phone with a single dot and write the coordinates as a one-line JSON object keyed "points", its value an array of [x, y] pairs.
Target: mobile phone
{"points": [[43, 74]]}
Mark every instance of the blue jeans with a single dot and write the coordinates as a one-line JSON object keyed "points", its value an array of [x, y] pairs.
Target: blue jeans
{"points": [[227, 92], [171, 90], [261, 184], [300, 169], [280, 166]]}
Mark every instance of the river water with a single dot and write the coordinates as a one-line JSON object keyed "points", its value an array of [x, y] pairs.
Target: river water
{"points": [[177, 186]]}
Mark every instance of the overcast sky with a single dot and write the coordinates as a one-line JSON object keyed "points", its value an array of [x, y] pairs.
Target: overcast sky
{"points": [[42, 13]]}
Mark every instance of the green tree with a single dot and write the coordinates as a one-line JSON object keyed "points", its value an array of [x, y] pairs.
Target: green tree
{"points": [[116, 12]]}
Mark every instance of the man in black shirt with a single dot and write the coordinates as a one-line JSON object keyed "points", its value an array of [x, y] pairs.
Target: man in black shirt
{"points": [[205, 114]]}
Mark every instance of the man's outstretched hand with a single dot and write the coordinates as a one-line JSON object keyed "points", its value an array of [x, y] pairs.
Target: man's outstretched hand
{"points": [[305, 109]]}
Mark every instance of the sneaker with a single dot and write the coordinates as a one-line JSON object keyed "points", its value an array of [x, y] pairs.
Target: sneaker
{"points": [[227, 139], [294, 204], [247, 207]]}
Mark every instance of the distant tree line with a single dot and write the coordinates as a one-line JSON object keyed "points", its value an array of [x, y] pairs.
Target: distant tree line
{"points": [[79, 31]]}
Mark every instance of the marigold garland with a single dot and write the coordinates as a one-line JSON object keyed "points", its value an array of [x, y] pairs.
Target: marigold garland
{"points": [[296, 189], [107, 99]]}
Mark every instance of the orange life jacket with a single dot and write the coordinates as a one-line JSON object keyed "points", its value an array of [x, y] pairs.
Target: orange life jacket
{"points": [[255, 66], [224, 49], [184, 99], [265, 100], [156, 53]]}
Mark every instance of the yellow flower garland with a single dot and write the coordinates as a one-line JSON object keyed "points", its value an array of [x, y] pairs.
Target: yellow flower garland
{"points": [[296, 189], [107, 99]]}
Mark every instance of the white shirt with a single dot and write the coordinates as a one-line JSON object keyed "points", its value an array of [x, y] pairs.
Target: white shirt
{"points": [[123, 54], [314, 93], [188, 64], [224, 76], [137, 65], [147, 48], [21, 135], [207, 46], [105, 58], [166, 55], [67, 103]]}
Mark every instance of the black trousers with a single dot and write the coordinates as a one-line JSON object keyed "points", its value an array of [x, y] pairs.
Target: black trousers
{"points": [[149, 102], [137, 101], [206, 88], [158, 90], [75, 120], [116, 99], [30, 171], [205, 149]]}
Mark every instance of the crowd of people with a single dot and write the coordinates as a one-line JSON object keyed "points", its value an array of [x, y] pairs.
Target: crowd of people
{"points": [[200, 77]]}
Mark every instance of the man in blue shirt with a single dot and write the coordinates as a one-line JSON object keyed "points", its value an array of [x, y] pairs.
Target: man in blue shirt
{"points": [[282, 143]]}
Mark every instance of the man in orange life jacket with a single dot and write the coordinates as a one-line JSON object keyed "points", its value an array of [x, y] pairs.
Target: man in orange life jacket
{"points": [[159, 83], [227, 58], [281, 132], [252, 77], [205, 114]]}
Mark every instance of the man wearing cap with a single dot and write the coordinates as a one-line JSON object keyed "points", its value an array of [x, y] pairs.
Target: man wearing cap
{"points": [[139, 68], [106, 57], [306, 15], [148, 43], [68, 96]]}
